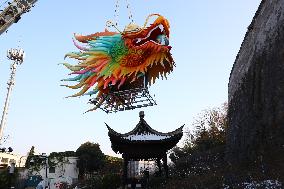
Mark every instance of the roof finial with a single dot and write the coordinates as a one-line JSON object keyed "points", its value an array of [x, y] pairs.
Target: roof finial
{"points": [[141, 114]]}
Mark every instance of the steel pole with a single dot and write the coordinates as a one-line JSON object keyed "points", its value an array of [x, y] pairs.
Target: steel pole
{"points": [[46, 177], [17, 55], [11, 83]]}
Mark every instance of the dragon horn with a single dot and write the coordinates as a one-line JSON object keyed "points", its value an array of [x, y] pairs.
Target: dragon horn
{"points": [[71, 67], [78, 46]]}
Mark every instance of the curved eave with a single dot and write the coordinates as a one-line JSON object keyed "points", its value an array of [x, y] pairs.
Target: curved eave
{"points": [[115, 139], [120, 143], [113, 133]]}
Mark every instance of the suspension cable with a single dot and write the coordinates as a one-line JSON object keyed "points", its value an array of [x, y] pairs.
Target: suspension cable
{"points": [[130, 15], [116, 13], [114, 23]]}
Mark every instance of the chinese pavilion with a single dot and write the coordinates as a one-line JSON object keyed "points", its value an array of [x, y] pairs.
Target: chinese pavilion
{"points": [[144, 143]]}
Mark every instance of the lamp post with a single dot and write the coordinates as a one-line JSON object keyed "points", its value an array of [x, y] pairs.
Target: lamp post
{"points": [[20, 161], [46, 165], [17, 56]]}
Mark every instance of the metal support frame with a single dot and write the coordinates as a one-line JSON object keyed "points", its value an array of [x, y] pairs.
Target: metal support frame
{"points": [[129, 99]]}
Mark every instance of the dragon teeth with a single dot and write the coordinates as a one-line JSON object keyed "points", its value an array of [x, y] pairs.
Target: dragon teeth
{"points": [[161, 27]]}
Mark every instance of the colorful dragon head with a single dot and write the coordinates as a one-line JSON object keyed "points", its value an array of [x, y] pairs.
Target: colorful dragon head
{"points": [[113, 61]]}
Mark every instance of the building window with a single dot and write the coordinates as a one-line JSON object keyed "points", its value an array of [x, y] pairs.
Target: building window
{"points": [[51, 169]]}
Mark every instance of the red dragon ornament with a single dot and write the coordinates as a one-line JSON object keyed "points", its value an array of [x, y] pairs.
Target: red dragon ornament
{"points": [[112, 61]]}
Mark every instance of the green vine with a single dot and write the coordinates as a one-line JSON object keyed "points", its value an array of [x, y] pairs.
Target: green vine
{"points": [[38, 163], [55, 159]]}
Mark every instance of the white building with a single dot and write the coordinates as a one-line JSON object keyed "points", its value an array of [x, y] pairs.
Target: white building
{"points": [[7, 158], [65, 171]]}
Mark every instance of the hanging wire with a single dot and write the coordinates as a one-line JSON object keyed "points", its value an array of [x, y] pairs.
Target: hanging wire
{"points": [[116, 13], [114, 23], [109, 24], [130, 15], [19, 41]]}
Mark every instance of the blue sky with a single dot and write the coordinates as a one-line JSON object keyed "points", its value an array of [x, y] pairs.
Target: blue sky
{"points": [[205, 35]]}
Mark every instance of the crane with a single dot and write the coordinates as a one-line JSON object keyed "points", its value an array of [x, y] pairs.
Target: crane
{"points": [[13, 12]]}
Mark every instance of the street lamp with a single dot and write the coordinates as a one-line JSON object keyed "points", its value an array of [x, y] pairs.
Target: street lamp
{"points": [[16, 55], [20, 161], [46, 165]]}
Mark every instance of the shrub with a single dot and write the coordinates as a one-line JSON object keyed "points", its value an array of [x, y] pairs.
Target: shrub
{"points": [[111, 181]]}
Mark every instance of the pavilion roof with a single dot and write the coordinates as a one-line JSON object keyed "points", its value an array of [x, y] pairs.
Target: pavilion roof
{"points": [[144, 132], [143, 137]]}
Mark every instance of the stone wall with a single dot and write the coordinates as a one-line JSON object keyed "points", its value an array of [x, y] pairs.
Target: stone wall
{"points": [[256, 86]]}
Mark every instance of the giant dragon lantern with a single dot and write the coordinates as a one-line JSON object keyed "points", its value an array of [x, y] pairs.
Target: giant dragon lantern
{"points": [[111, 62]]}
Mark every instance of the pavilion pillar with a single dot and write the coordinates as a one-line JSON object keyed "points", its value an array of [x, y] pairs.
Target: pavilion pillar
{"points": [[124, 179], [165, 165], [159, 166]]}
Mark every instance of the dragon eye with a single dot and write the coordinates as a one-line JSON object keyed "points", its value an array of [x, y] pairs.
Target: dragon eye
{"points": [[163, 39], [137, 40]]}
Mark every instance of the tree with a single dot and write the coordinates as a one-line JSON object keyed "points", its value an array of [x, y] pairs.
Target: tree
{"points": [[210, 130], [209, 133], [91, 158], [176, 154], [6, 178], [30, 155], [113, 165], [204, 146]]}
